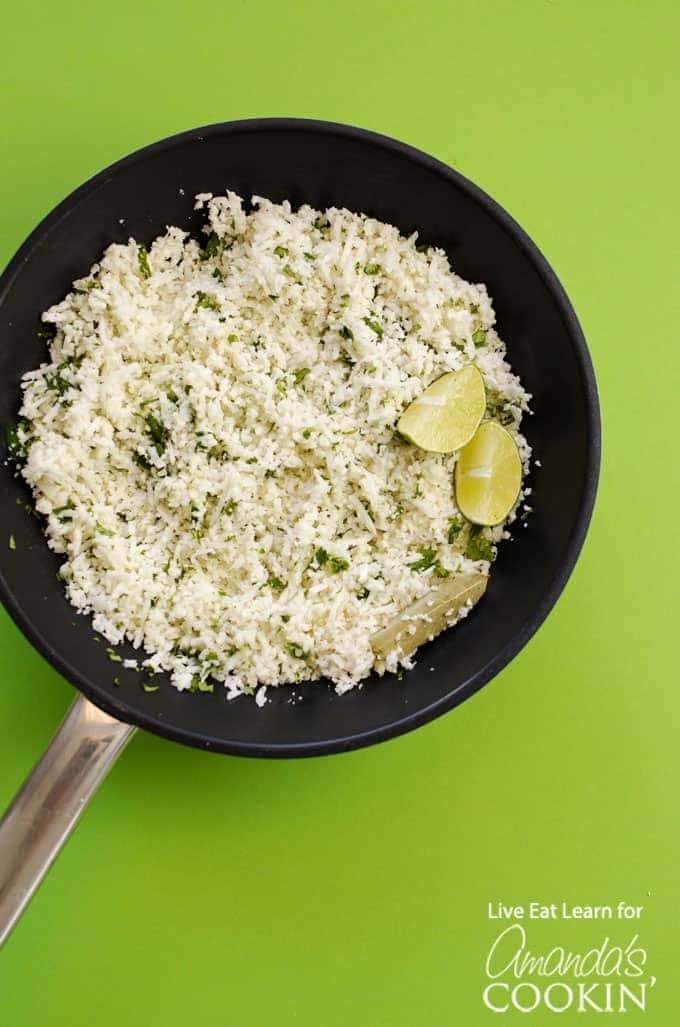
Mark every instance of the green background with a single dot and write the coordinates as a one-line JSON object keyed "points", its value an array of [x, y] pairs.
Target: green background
{"points": [[352, 890]]}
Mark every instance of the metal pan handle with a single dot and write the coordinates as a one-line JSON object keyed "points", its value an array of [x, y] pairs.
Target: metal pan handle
{"points": [[46, 808]]}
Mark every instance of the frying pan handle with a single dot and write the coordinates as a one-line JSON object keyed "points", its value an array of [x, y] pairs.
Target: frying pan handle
{"points": [[47, 806]]}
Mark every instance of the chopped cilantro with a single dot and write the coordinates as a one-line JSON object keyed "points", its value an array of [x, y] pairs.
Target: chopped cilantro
{"points": [[374, 326], [232, 338], [208, 302], [280, 251], [296, 651], [158, 432], [440, 571], [198, 685], [113, 655], [116, 682], [143, 261], [364, 502], [148, 686], [11, 542], [428, 558], [16, 449], [346, 333], [335, 564], [301, 374], [232, 650], [142, 461], [211, 248], [309, 256], [57, 383], [104, 531], [276, 584], [285, 617], [230, 506], [479, 547], [287, 270], [71, 361], [479, 337], [371, 269], [307, 433], [455, 528], [363, 593]]}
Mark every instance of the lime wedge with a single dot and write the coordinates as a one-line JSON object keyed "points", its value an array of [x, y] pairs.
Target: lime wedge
{"points": [[488, 475], [428, 616], [448, 413]]}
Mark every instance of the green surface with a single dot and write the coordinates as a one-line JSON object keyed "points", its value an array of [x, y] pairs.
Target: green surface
{"points": [[353, 890]]}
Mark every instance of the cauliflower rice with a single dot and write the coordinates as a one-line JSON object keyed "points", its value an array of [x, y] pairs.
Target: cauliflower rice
{"points": [[212, 443]]}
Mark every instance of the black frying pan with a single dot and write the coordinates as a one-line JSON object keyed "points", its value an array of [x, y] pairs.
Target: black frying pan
{"points": [[322, 164]]}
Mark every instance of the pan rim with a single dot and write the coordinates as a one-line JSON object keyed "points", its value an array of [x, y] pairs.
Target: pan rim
{"points": [[402, 724]]}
